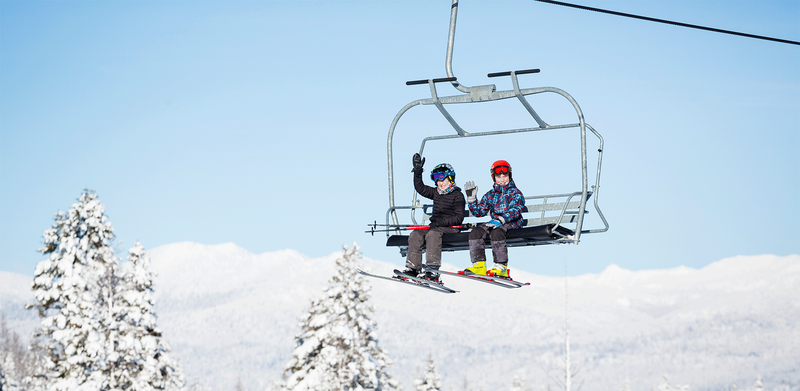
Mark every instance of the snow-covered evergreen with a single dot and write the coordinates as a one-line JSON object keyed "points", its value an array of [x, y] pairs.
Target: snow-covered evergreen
{"points": [[141, 359], [758, 386], [4, 383], [336, 346], [198, 385], [518, 383], [71, 302], [97, 329], [666, 386], [36, 364], [7, 380], [430, 379], [8, 370], [12, 358]]}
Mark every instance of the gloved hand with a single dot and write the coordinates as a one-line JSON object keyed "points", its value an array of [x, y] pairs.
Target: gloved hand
{"points": [[433, 224], [418, 162], [494, 224], [472, 191]]}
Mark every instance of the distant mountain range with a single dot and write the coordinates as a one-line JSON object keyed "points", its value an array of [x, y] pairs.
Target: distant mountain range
{"points": [[230, 314]]}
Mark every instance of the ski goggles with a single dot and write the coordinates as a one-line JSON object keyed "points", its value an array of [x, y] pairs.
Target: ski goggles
{"points": [[501, 170], [440, 175]]}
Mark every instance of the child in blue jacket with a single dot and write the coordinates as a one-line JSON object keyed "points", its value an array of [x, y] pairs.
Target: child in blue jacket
{"points": [[504, 202]]}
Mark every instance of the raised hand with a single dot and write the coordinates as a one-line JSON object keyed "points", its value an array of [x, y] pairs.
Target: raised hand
{"points": [[418, 162], [472, 191]]}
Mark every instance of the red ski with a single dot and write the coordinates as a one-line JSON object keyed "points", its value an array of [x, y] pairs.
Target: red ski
{"points": [[499, 281]]}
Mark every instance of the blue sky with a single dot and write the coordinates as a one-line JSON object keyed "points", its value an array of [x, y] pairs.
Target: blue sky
{"points": [[264, 123]]}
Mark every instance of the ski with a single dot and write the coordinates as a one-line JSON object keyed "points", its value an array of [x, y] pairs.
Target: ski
{"points": [[498, 281], [438, 285], [420, 283]]}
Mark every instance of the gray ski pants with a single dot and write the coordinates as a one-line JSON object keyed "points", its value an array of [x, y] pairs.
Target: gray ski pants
{"points": [[497, 238], [432, 239]]}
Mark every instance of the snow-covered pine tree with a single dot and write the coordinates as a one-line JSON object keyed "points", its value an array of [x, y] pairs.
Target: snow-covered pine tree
{"points": [[70, 299], [4, 383], [12, 358], [666, 386], [518, 383], [142, 360], [36, 364], [336, 346], [197, 385], [7, 372], [758, 386], [430, 379]]}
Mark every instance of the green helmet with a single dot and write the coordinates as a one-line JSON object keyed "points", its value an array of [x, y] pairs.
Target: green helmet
{"points": [[442, 171]]}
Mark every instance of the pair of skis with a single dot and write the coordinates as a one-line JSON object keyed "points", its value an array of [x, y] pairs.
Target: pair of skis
{"points": [[414, 281], [498, 281], [439, 287]]}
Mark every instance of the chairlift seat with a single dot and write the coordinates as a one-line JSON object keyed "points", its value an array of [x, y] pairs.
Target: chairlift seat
{"points": [[527, 236], [538, 230]]}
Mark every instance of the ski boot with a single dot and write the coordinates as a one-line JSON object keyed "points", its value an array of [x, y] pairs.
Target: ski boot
{"points": [[499, 270], [477, 269], [431, 274], [410, 272]]}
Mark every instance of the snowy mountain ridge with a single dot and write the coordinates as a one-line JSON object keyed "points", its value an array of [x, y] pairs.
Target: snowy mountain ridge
{"points": [[231, 314]]}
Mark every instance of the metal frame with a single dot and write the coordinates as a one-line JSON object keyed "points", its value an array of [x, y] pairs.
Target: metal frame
{"points": [[488, 93]]}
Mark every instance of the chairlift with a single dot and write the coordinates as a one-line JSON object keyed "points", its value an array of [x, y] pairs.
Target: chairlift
{"points": [[549, 219]]}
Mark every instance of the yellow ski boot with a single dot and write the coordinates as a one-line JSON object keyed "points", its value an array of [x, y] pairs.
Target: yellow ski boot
{"points": [[499, 270], [477, 268]]}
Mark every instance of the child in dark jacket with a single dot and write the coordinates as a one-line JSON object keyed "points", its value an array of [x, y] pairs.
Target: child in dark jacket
{"points": [[504, 202], [448, 210]]}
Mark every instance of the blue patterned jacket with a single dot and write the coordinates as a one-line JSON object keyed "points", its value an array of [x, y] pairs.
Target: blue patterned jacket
{"points": [[502, 201]]}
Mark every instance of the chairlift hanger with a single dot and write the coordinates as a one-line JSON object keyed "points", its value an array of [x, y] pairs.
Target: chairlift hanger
{"points": [[565, 208]]}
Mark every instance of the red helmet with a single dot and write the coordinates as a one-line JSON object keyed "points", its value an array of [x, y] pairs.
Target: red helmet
{"points": [[501, 166]]}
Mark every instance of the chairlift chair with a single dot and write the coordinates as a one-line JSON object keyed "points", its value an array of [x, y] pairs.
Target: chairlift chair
{"points": [[549, 219]]}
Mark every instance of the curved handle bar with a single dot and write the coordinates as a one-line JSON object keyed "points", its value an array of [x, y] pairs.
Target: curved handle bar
{"points": [[508, 73], [409, 83]]}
